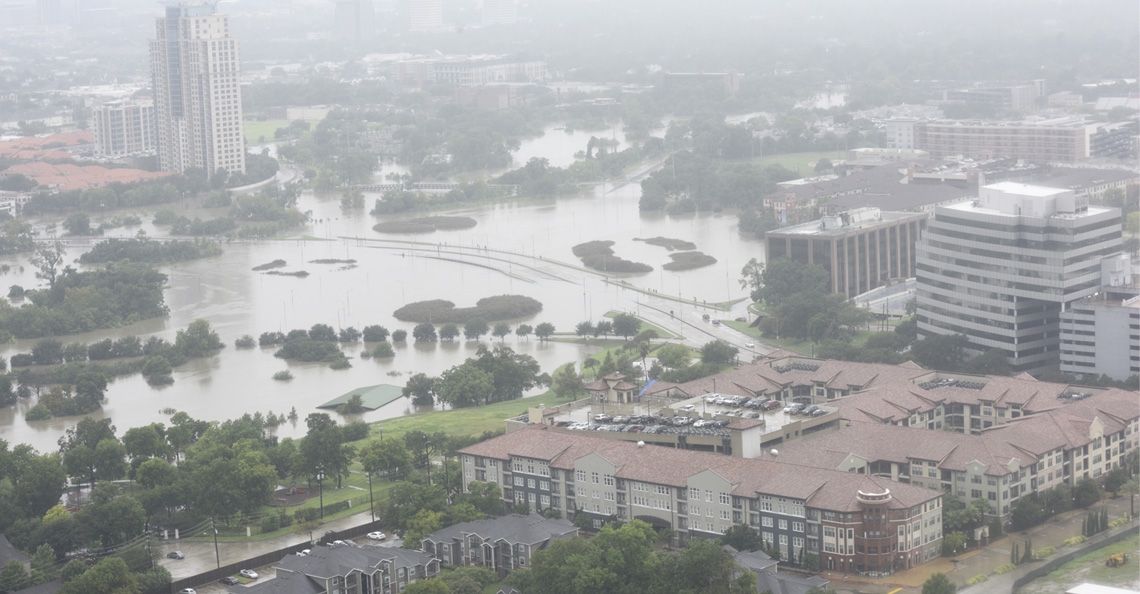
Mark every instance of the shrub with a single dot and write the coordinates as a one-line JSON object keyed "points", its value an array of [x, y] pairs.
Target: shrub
{"points": [[306, 514], [270, 339], [270, 523], [976, 580], [1045, 552], [341, 363], [38, 412], [283, 376], [383, 350], [245, 342], [332, 508], [375, 333], [1008, 567], [400, 336], [1074, 541], [307, 349]]}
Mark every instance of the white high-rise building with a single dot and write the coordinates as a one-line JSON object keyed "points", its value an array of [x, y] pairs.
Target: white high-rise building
{"points": [[123, 128], [500, 12], [197, 89], [425, 15], [1002, 269]]}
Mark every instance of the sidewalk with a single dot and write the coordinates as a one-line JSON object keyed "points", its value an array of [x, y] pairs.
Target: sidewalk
{"points": [[984, 561]]}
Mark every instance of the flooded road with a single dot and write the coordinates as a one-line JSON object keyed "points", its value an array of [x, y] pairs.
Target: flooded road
{"points": [[516, 247]]}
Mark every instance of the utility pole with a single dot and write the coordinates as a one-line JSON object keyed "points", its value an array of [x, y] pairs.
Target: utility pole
{"points": [[217, 553]]}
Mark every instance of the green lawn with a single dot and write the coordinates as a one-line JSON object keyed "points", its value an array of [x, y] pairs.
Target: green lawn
{"points": [[255, 130], [1090, 568], [803, 163]]}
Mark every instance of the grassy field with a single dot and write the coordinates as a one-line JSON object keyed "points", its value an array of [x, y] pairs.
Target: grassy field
{"points": [[803, 347], [255, 130], [803, 163], [1090, 568]]}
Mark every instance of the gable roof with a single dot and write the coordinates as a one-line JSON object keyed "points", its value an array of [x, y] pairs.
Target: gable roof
{"points": [[10, 553], [514, 528]]}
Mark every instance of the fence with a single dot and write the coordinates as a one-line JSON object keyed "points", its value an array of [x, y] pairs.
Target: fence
{"points": [[271, 557]]}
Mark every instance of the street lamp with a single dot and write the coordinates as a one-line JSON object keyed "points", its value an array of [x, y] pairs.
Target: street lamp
{"points": [[321, 488]]}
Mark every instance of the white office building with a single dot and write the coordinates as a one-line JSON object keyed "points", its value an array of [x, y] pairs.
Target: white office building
{"points": [[1002, 268], [123, 128], [197, 89]]}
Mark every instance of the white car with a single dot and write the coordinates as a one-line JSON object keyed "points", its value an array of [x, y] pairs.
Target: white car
{"points": [[248, 573], [377, 535], [187, 591], [750, 344]]}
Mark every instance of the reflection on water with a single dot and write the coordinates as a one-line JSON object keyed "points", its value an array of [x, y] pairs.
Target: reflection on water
{"points": [[465, 266]]}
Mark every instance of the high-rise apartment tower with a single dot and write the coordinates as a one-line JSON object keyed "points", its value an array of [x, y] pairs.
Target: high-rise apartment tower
{"points": [[197, 89]]}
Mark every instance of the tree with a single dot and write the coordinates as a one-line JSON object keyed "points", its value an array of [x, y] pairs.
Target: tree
{"points": [[78, 223], [475, 329], [544, 331], [626, 325], [718, 352], [47, 258], [449, 332], [1115, 479], [524, 331], [938, 584], [603, 327], [109, 576], [1131, 488], [420, 525], [567, 383], [322, 332], [501, 330], [585, 329], [465, 385], [1087, 492], [198, 340], [399, 336], [421, 389], [783, 279], [375, 333], [942, 352], [424, 332], [752, 278], [431, 586], [674, 356], [742, 538], [953, 543]]}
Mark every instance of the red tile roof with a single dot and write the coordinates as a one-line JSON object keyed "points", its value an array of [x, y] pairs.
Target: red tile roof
{"points": [[65, 176]]}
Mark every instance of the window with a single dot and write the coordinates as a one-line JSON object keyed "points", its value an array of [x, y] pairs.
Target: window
{"points": [[783, 524], [594, 477], [797, 541], [608, 480], [518, 481], [581, 475], [829, 532], [725, 499], [783, 539], [767, 522], [725, 515], [708, 496], [797, 526], [694, 494]]}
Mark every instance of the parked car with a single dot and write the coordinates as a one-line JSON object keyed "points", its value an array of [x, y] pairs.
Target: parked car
{"points": [[248, 573], [770, 405], [621, 419], [377, 535], [187, 591], [810, 409], [819, 412], [750, 344], [603, 418], [229, 580], [176, 555], [688, 407]]}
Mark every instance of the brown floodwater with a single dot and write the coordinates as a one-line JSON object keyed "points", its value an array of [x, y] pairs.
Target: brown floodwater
{"points": [[516, 247]]}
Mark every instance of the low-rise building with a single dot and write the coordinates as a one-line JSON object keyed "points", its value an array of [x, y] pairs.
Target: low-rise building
{"points": [[860, 249], [501, 544], [347, 570], [831, 519], [1100, 334]]}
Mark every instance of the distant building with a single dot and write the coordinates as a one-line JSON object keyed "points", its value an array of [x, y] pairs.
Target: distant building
{"points": [[861, 249], [425, 15], [355, 19], [1100, 334], [50, 12], [1065, 99], [1001, 269], [1063, 139], [730, 79], [124, 128], [500, 12], [1000, 98], [197, 89], [471, 71]]}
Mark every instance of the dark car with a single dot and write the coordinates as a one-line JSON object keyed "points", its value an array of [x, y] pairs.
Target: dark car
{"points": [[770, 405], [229, 580]]}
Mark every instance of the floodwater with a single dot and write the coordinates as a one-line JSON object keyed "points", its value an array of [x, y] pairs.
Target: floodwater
{"points": [[516, 247]]}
